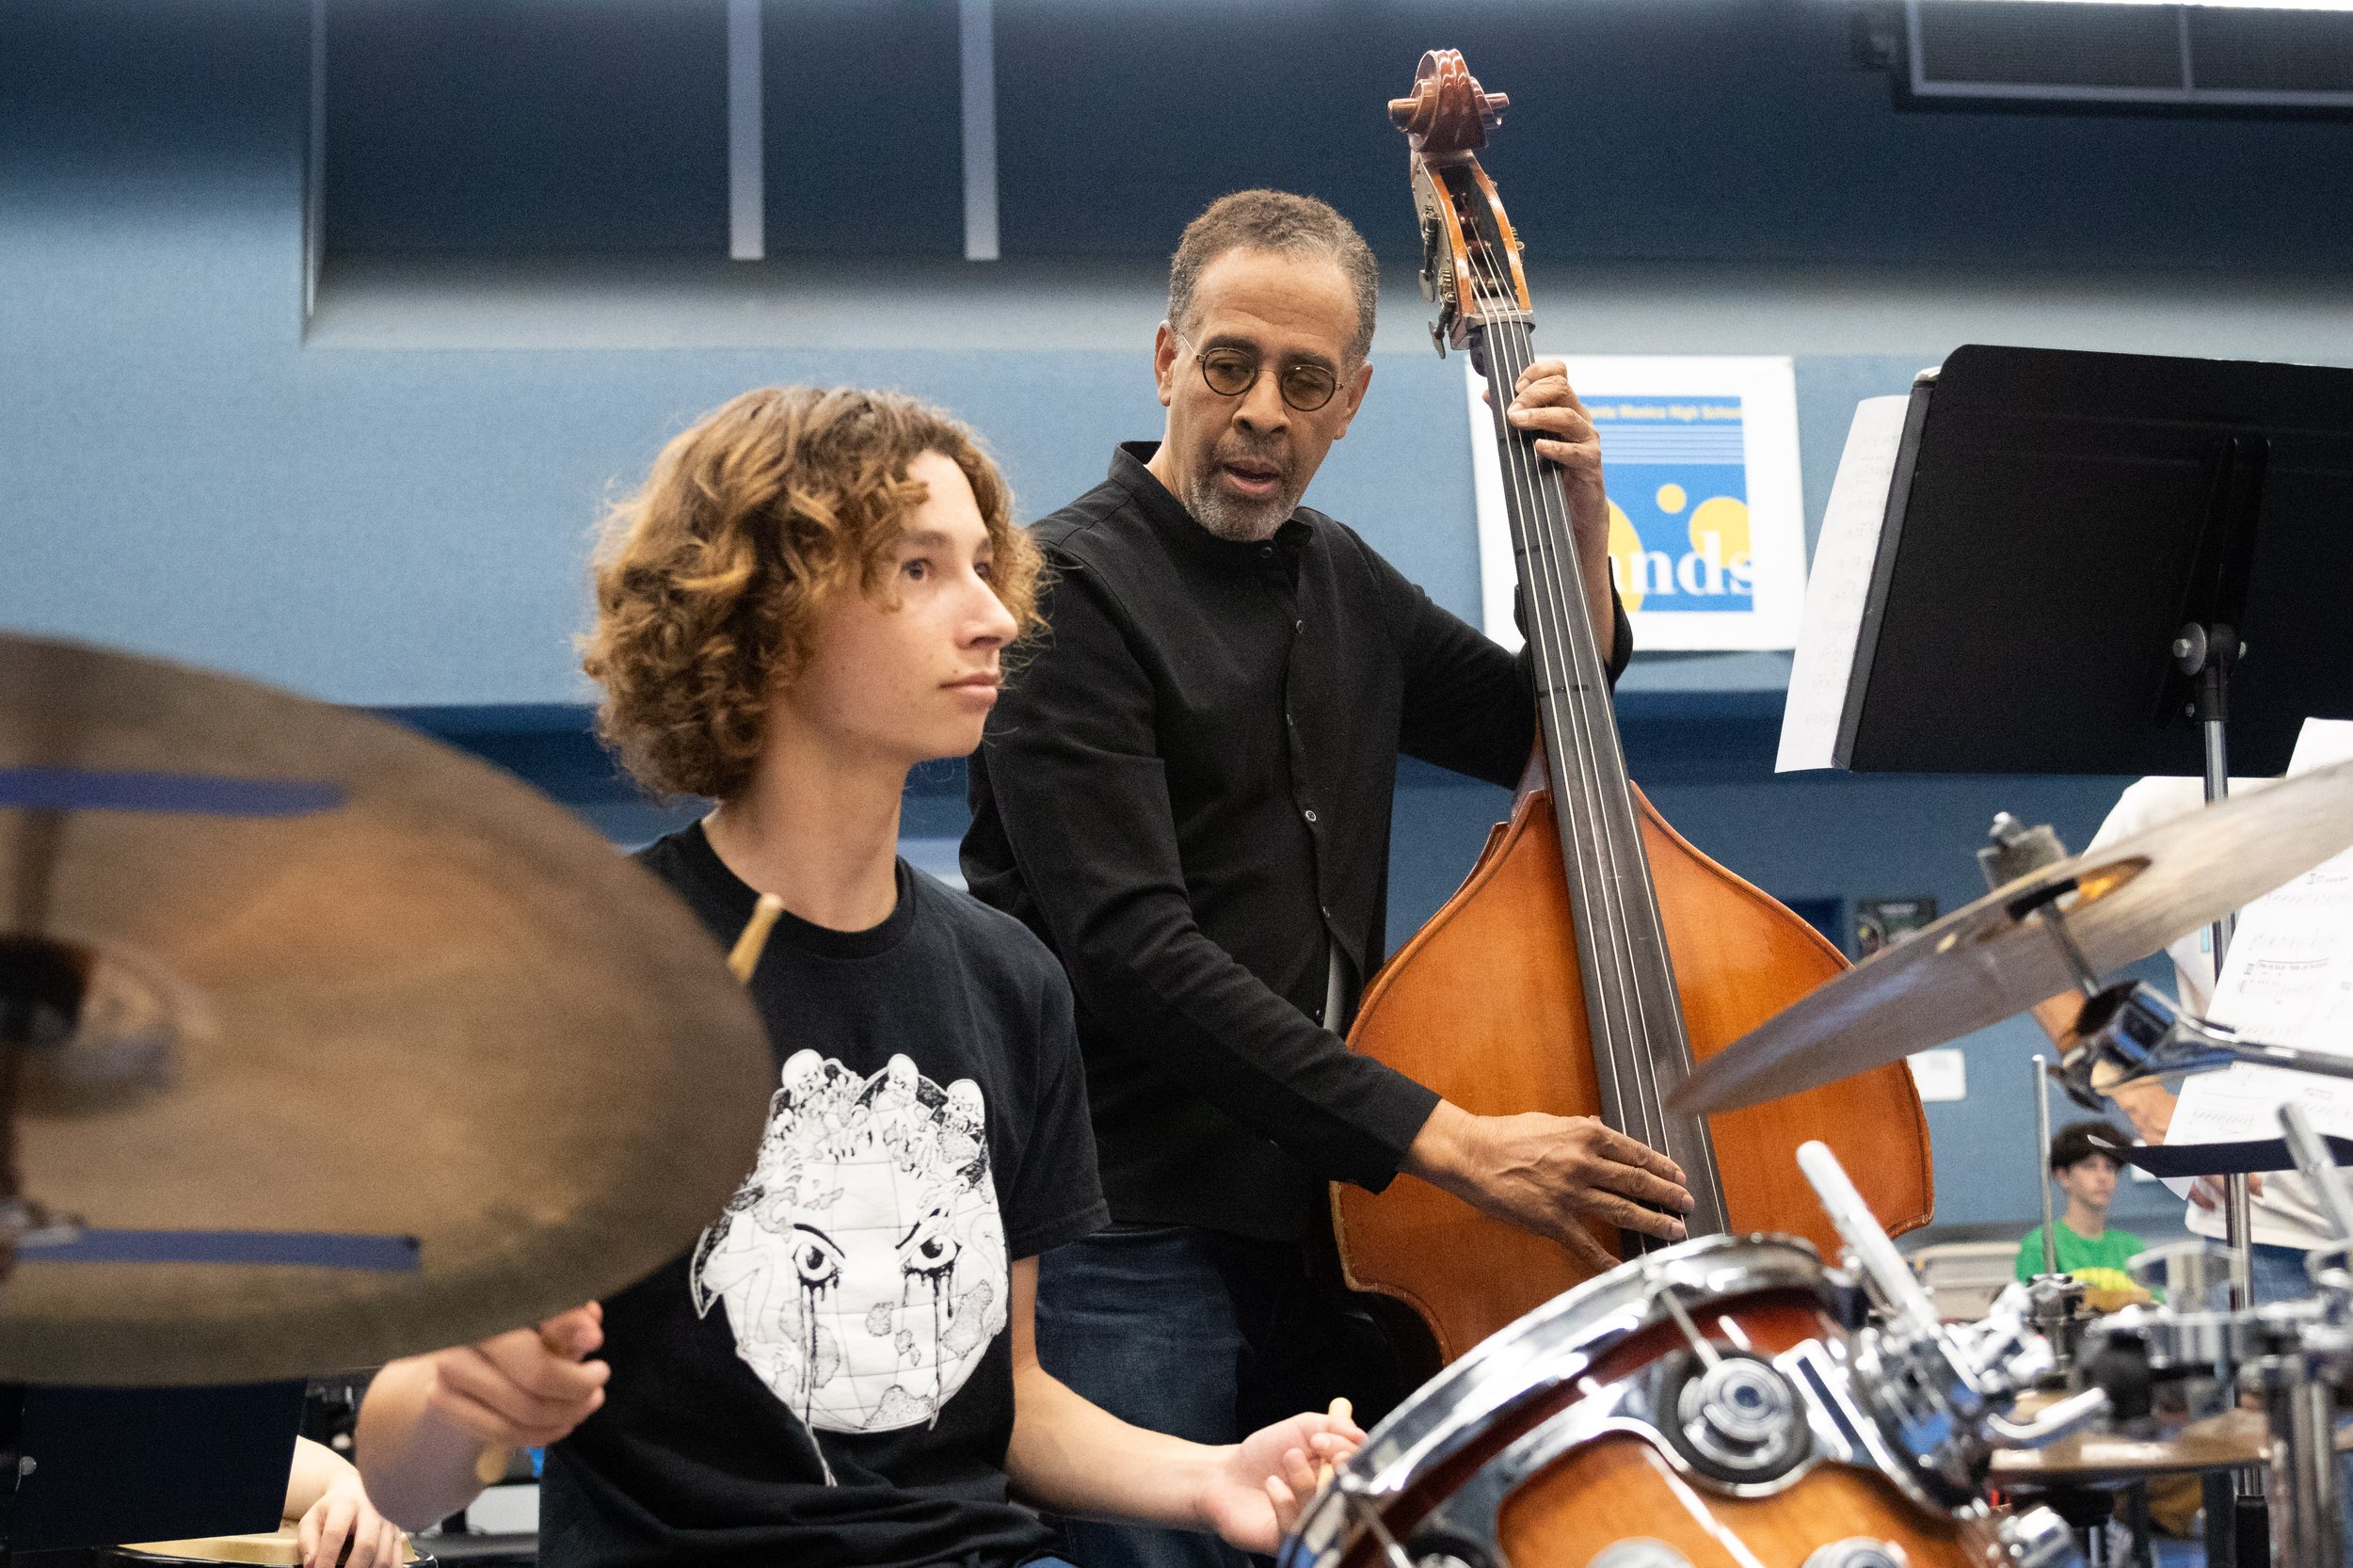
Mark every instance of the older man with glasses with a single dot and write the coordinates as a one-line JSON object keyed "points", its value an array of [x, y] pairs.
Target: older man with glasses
{"points": [[1185, 792]]}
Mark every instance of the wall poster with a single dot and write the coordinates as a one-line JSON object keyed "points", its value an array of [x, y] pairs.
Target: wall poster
{"points": [[1707, 517]]}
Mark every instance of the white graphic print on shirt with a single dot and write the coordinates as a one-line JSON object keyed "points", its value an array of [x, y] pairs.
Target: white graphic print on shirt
{"points": [[863, 1260]]}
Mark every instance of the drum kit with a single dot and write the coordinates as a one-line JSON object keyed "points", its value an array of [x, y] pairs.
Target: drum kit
{"points": [[1741, 1403], [1735, 1402], [322, 1044]]}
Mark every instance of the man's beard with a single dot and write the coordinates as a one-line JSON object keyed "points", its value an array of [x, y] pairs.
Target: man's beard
{"points": [[1229, 517]]}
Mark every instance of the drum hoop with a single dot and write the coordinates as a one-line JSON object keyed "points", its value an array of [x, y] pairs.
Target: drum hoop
{"points": [[1556, 1343]]}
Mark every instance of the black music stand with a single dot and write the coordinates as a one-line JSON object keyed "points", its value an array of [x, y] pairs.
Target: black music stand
{"points": [[2060, 522], [2090, 563]]}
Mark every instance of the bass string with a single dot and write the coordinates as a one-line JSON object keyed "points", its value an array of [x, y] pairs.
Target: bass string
{"points": [[1636, 910], [1610, 1013], [1626, 899], [1559, 630]]}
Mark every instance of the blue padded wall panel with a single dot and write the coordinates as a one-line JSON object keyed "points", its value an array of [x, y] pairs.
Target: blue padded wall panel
{"points": [[526, 125], [864, 153]]}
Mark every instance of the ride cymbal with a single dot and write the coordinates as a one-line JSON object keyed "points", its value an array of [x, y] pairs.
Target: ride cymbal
{"points": [[1982, 964], [339, 987]]}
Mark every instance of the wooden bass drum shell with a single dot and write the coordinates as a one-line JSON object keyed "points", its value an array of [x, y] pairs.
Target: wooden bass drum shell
{"points": [[1516, 1041], [1620, 1488]]}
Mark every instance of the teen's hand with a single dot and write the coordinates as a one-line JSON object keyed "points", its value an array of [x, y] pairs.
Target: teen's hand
{"points": [[524, 1388], [1254, 1491], [343, 1516]]}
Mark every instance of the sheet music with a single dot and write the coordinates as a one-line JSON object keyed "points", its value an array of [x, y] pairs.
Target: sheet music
{"points": [[2288, 980], [1839, 585]]}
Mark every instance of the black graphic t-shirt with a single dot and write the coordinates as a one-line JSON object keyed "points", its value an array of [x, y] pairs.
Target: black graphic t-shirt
{"points": [[827, 1378]]}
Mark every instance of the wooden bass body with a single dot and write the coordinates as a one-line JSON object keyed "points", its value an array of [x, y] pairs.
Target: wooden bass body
{"points": [[1484, 1006]]}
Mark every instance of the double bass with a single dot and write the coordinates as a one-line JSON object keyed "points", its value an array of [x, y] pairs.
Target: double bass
{"points": [[1593, 953]]}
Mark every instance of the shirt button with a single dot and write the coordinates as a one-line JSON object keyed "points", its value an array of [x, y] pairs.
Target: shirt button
{"points": [[1309, 815], [1266, 550], [1299, 626]]}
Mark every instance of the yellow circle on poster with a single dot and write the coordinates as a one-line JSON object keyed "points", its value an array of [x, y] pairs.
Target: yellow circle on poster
{"points": [[1728, 520], [1672, 499]]}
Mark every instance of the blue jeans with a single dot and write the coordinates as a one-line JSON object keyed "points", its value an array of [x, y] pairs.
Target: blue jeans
{"points": [[1203, 1335], [2278, 1272]]}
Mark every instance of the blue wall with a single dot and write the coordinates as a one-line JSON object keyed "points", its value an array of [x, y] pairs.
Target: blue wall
{"points": [[183, 475]]}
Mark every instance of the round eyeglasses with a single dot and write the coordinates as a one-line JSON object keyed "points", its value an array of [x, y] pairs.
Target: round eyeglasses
{"points": [[1231, 372]]}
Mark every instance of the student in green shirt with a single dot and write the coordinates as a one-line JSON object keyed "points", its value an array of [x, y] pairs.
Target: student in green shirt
{"points": [[2087, 1249]]}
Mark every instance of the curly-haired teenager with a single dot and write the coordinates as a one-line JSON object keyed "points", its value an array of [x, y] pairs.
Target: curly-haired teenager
{"points": [[814, 593]]}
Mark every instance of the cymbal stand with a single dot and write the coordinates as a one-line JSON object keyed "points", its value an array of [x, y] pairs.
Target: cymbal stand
{"points": [[2043, 1150], [2055, 1299]]}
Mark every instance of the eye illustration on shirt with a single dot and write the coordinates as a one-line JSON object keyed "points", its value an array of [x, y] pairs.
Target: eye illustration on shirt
{"points": [[816, 1257], [930, 1245], [862, 1262]]}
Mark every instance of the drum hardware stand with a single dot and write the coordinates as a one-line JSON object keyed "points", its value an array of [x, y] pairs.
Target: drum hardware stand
{"points": [[2132, 1029], [1947, 1392], [2298, 1384], [2292, 1359], [2055, 1299]]}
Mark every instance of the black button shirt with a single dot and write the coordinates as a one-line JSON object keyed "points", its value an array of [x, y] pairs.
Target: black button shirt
{"points": [[1185, 790]]}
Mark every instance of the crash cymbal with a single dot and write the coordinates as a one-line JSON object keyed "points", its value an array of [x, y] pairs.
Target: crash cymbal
{"points": [[347, 987], [1980, 965]]}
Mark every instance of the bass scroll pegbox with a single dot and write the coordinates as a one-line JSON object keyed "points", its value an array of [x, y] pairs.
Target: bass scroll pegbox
{"points": [[1470, 255]]}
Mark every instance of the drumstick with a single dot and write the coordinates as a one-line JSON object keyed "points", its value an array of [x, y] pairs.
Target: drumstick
{"points": [[490, 1466], [1340, 1410], [749, 945]]}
